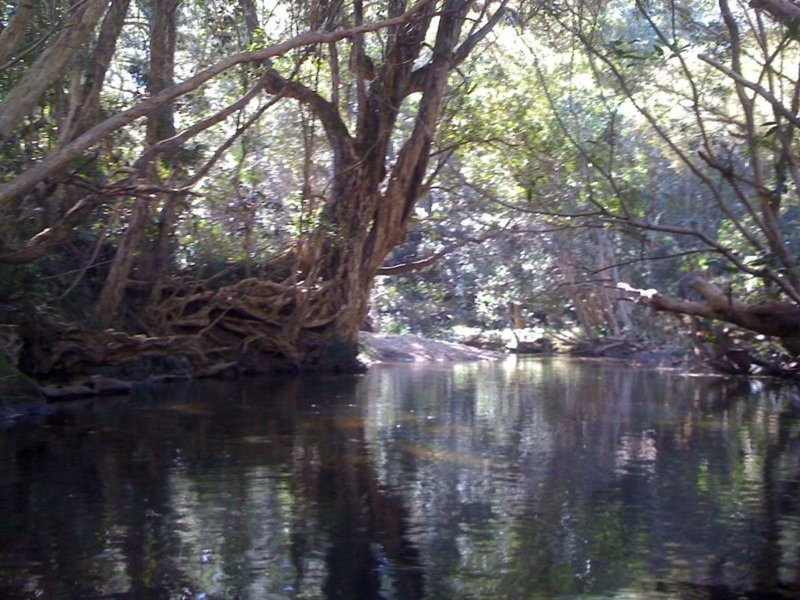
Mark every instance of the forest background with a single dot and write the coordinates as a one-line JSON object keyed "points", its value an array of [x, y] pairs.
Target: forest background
{"points": [[200, 185]]}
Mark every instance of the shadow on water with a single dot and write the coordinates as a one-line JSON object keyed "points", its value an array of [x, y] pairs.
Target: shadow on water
{"points": [[527, 479]]}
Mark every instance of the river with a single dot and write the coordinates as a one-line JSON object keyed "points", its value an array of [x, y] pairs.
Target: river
{"points": [[538, 478]]}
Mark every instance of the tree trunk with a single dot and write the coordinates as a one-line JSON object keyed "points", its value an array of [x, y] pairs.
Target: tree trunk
{"points": [[160, 126], [50, 65], [85, 105], [14, 32], [574, 295], [163, 245], [124, 259]]}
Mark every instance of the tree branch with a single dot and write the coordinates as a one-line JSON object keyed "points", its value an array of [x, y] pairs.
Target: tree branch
{"points": [[775, 319], [327, 112], [769, 97], [461, 53], [424, 263], [58, 160], [782, 10]]}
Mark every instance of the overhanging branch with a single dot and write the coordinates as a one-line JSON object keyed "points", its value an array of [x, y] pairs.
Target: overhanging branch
{"points": [[783, 10], [59, 160], [775, 319], [424, 263]]}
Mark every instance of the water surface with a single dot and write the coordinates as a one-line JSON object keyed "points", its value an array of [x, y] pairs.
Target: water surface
{"points": [[529, 479]]}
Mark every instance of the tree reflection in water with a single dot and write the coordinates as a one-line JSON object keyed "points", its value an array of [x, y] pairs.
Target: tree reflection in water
{"points": [[527, 479]]}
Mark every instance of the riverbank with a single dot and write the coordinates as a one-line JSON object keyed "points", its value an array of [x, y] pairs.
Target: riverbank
{"points": [[376, 348]]}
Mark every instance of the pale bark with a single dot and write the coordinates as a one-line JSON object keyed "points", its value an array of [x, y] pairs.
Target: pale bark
{"points": [[85, 105], [13, 34], [124, 259], [50, 65]]}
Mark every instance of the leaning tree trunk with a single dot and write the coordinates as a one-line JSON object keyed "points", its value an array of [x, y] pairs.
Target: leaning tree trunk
{"points": [[780, 320]]}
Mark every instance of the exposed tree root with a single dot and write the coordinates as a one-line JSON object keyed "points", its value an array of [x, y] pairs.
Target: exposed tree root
{"points": [[255, 325], [54, 350]]}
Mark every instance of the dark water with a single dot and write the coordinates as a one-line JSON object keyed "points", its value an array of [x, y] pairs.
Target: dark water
{"points": [[536, 479]]}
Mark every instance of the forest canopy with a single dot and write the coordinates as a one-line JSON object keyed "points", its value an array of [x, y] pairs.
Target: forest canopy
{"points": [[248, 183]]}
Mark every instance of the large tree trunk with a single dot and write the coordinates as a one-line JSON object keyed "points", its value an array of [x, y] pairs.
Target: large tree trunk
{"points": [[370, 209], [310, 313]]}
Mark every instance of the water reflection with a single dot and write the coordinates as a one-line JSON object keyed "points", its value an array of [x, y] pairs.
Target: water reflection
{"points": [[530, 479]]}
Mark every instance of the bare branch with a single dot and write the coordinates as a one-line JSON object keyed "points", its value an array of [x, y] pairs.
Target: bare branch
{"points": [[424, 263], [769, 97]]}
